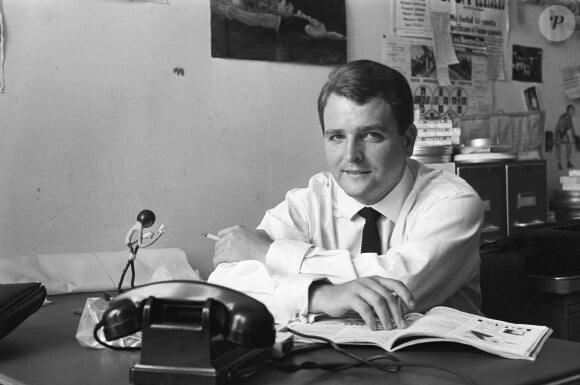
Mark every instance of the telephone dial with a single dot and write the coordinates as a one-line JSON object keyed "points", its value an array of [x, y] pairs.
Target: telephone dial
{"points": [[192, 332]]}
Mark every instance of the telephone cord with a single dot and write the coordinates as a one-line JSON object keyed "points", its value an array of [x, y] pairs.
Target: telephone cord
{"points": [[393, 366]]}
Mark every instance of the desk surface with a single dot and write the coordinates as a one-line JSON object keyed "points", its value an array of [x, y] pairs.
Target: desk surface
{"points": [[44, 351]]}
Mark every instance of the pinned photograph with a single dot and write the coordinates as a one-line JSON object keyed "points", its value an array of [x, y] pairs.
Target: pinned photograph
{"points": [[526, 64], [279, 30], [461, 70], [532, 101], [422, 61]]}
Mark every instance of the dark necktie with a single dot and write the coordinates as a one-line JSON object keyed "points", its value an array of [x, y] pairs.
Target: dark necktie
{"points": [[371, 240]]}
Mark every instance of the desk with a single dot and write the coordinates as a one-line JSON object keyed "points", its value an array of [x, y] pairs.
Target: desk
{"points": [[44, 351], [535, 278]]}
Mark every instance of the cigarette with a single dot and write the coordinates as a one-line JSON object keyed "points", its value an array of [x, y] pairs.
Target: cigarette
{"points": [[211, 236]]}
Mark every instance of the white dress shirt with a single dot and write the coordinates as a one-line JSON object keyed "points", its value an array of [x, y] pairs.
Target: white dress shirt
{"points": [[429, 233]]}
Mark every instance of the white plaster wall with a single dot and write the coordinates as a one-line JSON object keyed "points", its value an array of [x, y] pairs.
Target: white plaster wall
{"points": [[95, 126]]}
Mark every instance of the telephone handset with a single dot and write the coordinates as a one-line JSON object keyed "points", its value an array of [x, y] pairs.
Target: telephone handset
{"points": [[190, 330]]}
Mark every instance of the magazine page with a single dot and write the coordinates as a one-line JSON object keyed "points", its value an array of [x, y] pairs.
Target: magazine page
{"points": [[351, 329], [494, 336], [517, 341]]}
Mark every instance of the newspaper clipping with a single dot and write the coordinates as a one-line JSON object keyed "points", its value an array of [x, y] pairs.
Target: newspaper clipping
{"points": [[468, 90], [571, 82], [449, 51]]}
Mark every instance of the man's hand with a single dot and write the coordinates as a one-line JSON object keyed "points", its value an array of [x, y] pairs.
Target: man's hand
{"points": [[369, 296], [238, 243]]}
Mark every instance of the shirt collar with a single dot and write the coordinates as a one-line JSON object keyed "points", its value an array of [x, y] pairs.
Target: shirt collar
{"points": [[389, 206]]}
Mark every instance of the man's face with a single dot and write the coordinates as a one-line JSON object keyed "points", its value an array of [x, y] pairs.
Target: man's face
{"points": [[364, 150], [571, 111]]}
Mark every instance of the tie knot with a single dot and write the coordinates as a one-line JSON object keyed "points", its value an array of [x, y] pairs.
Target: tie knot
{"points": [[369, 214]]}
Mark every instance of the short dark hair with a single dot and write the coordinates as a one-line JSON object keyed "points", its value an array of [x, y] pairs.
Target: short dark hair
{"points": [[570, 107], [363, 80]]}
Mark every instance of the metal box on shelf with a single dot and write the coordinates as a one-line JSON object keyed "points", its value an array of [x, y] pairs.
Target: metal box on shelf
{"points": [[526, 195], [488, 179]]}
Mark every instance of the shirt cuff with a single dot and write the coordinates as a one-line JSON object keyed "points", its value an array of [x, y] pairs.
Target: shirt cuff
{"points": [[285, 256], [294, 292]]}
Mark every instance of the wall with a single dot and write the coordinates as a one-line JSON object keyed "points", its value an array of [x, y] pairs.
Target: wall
{"points": [[95, 125], [508, 95]]}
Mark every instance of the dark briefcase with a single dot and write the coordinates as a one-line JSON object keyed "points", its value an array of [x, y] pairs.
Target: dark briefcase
{"points": [[17, 302]]}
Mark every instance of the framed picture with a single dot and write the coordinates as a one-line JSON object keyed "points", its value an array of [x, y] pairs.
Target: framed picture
{"points": [[304, 31]]}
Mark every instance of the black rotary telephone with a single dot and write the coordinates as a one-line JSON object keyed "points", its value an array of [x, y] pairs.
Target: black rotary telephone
{"points": [[193, 332]]}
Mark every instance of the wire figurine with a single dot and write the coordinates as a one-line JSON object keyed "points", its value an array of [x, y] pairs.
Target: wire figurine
{"points": [[145, 219]]}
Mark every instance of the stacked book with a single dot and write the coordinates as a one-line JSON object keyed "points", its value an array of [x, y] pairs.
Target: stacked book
{"points": [[434, 133], [572, 181], [434, 141], [432, 154], [567, 198]]}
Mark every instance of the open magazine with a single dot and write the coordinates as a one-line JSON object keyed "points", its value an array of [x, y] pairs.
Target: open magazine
{"points": [[440, 324]]}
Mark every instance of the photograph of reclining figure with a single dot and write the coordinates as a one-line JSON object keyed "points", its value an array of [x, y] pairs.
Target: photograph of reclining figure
{"points": [[279, 30]]}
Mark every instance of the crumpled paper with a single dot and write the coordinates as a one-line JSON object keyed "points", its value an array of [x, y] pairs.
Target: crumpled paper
{"points": [[86, 272], [93, 312]]}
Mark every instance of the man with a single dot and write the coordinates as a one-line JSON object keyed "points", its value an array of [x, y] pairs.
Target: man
{"points": [[316, 253], [565, 128]]}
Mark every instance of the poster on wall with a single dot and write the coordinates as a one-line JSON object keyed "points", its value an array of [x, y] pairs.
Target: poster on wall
{"points": [[462, 29], [412, 18], [302, 31], [443, 44], [468, 91], [526, 64], [481, 20]]}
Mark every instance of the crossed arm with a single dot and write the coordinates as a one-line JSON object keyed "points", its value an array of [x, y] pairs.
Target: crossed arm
{"points": [[367, 296], [437, 258]]}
